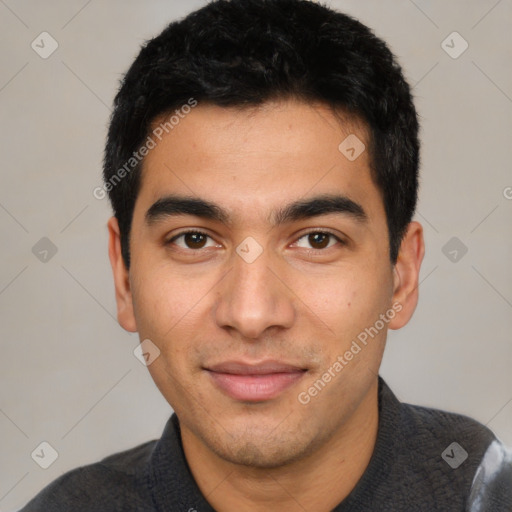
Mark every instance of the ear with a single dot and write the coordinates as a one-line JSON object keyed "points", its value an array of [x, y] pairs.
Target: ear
{"points": [[125, 314], [406, 275]]}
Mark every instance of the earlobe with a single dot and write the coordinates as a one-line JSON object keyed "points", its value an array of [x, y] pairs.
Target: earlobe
{"points": [[125, 312], [406, 274]]}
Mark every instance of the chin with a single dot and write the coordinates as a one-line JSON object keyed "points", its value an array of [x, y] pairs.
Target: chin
{"points": [[261, 456], [263, 449]]}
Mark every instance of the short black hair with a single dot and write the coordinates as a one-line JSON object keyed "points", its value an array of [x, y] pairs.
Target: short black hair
{"points": [[243, 53]]}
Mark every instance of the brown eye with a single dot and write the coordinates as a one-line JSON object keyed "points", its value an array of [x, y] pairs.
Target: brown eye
{"points": [[318, 240], [193, 240]]}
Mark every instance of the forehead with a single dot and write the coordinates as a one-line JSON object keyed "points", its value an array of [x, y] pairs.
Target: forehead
{"points": [[249, 159]]}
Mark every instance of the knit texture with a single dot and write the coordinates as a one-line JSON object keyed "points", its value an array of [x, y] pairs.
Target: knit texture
{"points": [[407, 471]]}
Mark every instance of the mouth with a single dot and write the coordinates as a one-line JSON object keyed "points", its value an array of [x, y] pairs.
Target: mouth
{"points": [[254, 382]]}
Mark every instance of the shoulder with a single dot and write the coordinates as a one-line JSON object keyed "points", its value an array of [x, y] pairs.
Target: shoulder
{"points": [[437, 426], [114, 483], [445, 450], [492, 485], [436, 453]]}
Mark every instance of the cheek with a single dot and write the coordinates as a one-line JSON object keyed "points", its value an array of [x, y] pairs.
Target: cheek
{"points": [[167, 309], [158, 307], [165, 305], [174, 310], [350, 301]]}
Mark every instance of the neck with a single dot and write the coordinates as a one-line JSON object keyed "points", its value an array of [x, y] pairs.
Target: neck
{"points": [[318, 482]]}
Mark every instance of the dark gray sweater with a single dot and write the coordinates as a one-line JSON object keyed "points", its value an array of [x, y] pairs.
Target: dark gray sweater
{"points": [[415, 467]]}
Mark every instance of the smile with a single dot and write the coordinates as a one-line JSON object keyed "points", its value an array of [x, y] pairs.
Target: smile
{"points": [[254, 383]]}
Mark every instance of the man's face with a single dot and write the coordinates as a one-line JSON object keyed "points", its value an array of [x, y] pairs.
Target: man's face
{"points": [[254, 310]]}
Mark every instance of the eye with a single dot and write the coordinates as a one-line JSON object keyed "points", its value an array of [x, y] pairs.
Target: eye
{"points": [[319, 240], [196, 240], [192, 240]]}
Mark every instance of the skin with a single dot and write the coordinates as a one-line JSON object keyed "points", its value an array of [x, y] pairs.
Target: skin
{"points": [[204, 304]]}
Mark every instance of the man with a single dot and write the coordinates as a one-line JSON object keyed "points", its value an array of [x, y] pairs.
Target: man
{"points": [[262, 163]]}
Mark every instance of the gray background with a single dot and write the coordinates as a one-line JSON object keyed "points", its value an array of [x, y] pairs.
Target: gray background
{"points": [[68, 373]]}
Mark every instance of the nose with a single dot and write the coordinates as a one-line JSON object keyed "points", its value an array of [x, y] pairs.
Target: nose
{"points": [[254, 297]]}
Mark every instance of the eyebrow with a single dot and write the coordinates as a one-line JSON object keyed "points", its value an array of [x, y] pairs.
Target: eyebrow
{"points": [[173, 205]]}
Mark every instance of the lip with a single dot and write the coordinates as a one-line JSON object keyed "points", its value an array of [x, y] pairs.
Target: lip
{"points": [[254, 382]]}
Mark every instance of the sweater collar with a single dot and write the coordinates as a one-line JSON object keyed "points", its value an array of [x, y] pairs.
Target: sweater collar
{"points": [[169, 477], [384, 453]]}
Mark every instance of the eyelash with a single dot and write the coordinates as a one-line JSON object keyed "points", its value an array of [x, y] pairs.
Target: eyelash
{"points": [[197, 232]]}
